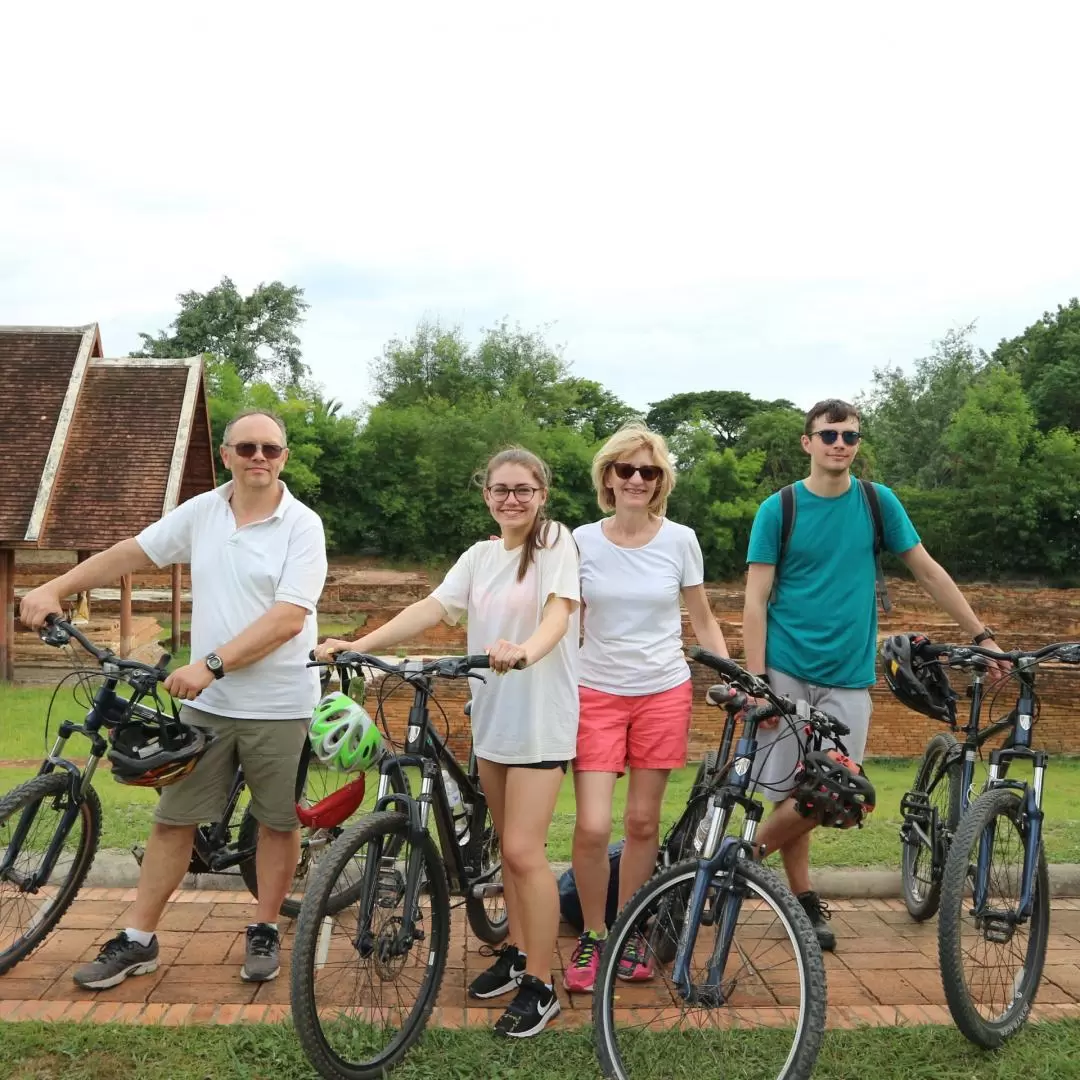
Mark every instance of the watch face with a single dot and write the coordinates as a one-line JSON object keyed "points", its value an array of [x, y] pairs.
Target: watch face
{"points": [[213, 662]]}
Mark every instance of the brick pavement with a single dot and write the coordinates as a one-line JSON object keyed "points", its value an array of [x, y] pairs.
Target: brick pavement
{"points": [[884, 971]]}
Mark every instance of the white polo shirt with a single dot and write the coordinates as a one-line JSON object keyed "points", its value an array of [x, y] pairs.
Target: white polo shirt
{"points": [[237, 575]]}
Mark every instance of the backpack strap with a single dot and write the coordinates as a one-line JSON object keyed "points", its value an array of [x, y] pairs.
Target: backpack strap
{"points": [[873, 503], [787, 524]]}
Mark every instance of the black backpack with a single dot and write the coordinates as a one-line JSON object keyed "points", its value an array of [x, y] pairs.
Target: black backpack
{"points": [[869, 492]]}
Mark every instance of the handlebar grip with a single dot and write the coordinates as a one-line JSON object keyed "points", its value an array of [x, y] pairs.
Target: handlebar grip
{"points": [[762, 712], [482, 660], [728, 668]]}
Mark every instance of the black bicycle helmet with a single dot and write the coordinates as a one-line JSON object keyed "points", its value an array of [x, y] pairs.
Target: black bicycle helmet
{"points": [[154, 750], [921, 684], [834, 789]]}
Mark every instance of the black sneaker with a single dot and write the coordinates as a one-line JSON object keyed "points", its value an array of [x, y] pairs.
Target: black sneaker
{"points": [[262, 961], [529, 1012], [118, 959], [818, 912], [503, 976]]}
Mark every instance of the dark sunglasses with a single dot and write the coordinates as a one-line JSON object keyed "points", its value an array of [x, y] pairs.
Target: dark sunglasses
{"points": [[830, 435], [624, 470], [271, 451]]}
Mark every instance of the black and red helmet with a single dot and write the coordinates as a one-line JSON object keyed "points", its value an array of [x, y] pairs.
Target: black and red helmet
{"points": [[154, 750], [833, 789], [919, 681]]}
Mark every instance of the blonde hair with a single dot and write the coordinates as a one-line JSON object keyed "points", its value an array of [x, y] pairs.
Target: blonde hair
{"points": [[631, 437], [541, 526]]}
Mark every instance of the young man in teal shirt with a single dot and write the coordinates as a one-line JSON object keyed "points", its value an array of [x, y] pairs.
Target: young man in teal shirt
{"points": [[816, 638]]}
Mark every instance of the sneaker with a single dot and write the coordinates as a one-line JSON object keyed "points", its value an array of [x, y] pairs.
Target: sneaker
{"points": [[635, 964], [118, 959], [584, 964], [503, 976], [529, 1012], [818, 913], [262, 961]]}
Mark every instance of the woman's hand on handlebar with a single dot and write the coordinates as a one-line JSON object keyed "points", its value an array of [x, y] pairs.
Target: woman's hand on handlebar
{"points": [[327, 650], [505, 655]]}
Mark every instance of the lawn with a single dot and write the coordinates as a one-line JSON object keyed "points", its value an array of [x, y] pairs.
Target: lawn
{"points": [[35, 1051], [128, 810]]}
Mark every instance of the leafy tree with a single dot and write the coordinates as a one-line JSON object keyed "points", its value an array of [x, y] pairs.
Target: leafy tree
{"points": [[1046, 356], [776, 434], [723, 413], [255, 333]]}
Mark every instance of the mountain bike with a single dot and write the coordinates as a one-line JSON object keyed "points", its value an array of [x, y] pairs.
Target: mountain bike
{"points": [[770, 972], [50, 826], [981, 920], [943, 790], [365, 977]]}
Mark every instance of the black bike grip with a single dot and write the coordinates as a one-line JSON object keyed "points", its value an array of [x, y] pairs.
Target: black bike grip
{"points": [[482, 660], [728, 668]]}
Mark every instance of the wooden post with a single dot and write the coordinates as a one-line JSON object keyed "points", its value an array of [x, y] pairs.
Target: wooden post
{"points": [[7, 614], [177, 582], [125, 615], [82, 600]]}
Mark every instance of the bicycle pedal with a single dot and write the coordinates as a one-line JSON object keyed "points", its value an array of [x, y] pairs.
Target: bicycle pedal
{"points": [[139, 852], [998, 931], [915, 807]]}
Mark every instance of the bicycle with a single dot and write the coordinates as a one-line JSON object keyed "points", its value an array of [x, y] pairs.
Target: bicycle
{"points": [[666, 915], [942, 792], [397, 926], [992, 1011], [51, 863]]}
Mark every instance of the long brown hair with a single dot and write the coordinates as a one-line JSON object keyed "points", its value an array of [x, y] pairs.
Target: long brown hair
{"points": [[541, 526]]}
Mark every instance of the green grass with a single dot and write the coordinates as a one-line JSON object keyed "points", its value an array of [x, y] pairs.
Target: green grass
{"points": [[36, 1051], [128, 810]]}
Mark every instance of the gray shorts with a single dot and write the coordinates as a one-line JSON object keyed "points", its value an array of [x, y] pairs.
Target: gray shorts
{"points": [[269, 750], [780, 748]]}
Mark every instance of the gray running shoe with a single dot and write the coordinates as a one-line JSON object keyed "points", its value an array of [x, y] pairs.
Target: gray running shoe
{"points": [[263, 959], [118, 959]]}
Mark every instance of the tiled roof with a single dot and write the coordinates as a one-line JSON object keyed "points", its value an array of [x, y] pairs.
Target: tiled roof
{"points": [[38, 366], [121, 442]]}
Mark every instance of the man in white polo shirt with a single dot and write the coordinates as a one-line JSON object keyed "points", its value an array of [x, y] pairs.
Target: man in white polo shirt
{"points": [[258, 566]]}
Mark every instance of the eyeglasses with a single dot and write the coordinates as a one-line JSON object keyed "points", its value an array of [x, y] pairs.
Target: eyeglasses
{"points": [[270, 451], [523, 492], [624, 470], [830, 435]]}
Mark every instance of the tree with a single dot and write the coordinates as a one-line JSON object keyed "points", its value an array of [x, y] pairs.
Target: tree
{"points": [[777, 435], [256, 334], [1046, 356], [723, 413]]}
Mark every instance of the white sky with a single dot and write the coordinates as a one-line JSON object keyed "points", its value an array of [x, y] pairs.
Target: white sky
{"points": [[768, 197]]}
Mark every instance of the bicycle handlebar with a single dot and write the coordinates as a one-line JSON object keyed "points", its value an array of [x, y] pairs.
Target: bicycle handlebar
{"points": [[57, 632], [1066, 652], [450, 667]]}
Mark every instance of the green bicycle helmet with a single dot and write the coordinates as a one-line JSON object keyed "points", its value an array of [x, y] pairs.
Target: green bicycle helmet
{"points": [[342, 734]]}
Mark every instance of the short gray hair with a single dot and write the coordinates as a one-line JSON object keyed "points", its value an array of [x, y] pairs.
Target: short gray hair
{"points": [[256, 412]]}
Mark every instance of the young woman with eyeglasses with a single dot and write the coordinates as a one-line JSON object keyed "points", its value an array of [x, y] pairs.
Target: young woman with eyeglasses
{"points": [[634, 683], [521, 593]]}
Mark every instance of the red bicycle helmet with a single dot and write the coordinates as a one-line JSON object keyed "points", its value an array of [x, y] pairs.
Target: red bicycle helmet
{"points": [[154, 750], [833, 789], [919, 683]]}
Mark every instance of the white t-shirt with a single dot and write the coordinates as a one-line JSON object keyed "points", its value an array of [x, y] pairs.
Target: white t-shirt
{"points": [[531, 715], [237, 575], [633, 623]]}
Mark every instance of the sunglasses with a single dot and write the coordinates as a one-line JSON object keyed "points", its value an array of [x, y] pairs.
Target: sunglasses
{"points": [[624, 470], [271, 451], [830, 435]]}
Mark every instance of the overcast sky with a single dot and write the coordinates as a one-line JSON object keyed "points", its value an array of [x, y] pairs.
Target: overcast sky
{"points": [[768, 197]]}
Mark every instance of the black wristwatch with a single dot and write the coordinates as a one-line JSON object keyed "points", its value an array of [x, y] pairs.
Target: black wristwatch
{"points": [[986, 635], [213, 662]]}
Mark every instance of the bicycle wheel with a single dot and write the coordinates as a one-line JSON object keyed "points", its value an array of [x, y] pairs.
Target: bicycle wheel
{"points": [[487, 914], [319, 783], [360, 996], [922, 864], [27, 918], [773, 987], [991, 1003]]}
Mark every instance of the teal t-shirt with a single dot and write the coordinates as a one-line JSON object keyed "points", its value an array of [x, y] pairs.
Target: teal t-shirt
{"points": [[822, 619]]}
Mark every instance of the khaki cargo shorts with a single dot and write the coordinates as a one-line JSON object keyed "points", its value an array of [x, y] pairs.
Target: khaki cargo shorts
{"points": [[269, 751]]}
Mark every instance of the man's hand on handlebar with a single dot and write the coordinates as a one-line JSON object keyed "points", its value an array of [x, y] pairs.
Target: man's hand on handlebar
{"points": [[38, 604]]}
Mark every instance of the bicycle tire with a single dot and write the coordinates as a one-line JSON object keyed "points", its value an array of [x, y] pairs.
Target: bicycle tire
{"points": [[314, 909], [247, 837], [51, 785], [1000, 802], [489, 930], [813, 1000], [923, 902]]}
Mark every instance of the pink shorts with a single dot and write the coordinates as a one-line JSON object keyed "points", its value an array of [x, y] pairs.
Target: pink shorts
{"points": [[649, 731]]}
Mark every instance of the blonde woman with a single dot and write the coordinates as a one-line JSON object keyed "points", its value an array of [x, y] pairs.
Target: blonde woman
{"points": [[520, 592], [634, 687]]}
